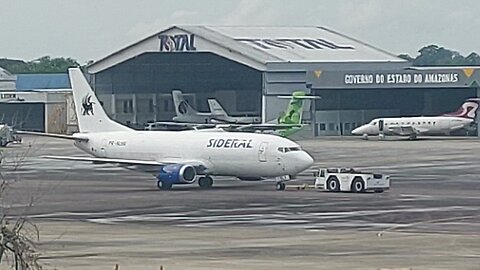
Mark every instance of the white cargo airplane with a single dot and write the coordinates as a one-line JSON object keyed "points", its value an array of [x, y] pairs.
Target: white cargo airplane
{"points": [[422, 125], [178, 157], [187, 114]]}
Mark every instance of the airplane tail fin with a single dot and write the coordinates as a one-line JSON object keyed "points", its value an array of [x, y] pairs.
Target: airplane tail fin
{"points": [[467, 110], [216, 108], [90, 114], [294, 112], [182, 107]]}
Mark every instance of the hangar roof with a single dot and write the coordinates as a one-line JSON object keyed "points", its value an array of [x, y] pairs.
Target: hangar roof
{"points": [[254, 46]]}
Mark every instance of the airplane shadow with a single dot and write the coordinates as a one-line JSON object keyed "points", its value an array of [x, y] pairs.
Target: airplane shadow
{"points": [[196, 188]]}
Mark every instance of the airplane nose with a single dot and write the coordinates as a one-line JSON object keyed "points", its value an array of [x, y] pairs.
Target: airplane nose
{"points": [[306, 161], [357, 131]]}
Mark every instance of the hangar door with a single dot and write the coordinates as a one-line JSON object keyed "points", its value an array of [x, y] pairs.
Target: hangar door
{"points": [[25, 116], [141, 87]]}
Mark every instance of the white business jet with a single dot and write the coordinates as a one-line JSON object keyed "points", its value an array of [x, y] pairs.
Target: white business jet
{"points": [[178, 157], [422, 125]]}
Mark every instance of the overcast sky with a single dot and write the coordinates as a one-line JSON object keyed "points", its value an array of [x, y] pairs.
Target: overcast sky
{"points": [[89, 30]]}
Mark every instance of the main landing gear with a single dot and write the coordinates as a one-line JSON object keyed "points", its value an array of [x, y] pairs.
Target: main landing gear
{"points": [[205, 182], [164, 185], [280, 186]]}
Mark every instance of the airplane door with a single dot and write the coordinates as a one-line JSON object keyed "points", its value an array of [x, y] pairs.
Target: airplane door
{"points": [[262, 152], [380, 125]]}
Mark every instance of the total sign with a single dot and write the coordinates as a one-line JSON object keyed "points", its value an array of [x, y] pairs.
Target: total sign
{"points": [[177, 43]]}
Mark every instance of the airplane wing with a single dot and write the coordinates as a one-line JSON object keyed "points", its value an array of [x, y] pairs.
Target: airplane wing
{"points": [[180, 125], [404, 130], [266, 126], [108, 160], [146, 165], [76, 137]]}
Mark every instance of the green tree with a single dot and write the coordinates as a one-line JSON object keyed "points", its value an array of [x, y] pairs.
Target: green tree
{"points": [[434, 55], [13, 66], [44, 64]]}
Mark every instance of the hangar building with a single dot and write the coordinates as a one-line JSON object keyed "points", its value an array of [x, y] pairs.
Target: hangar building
{"points": [[247, 67], [38, 102]]}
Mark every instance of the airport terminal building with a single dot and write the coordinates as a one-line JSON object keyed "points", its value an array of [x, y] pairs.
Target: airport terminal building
{"points": [[247, 67]]}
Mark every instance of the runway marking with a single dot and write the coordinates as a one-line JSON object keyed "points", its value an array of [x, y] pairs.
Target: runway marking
{"points": [[281, 216], [425, 222]]}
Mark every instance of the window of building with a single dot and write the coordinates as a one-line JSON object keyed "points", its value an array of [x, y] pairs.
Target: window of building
{"points": [[151, 107], [145, 105], [322, 127], [124, 106], [166, 104], [331, 126], [127, 106]]}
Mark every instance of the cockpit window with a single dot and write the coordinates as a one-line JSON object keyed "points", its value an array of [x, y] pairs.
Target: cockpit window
{"points": [[288, 149], [374, 123]]}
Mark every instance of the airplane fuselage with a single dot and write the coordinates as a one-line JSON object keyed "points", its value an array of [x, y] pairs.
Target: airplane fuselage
{"points": [[223, 153], [421, 124], [206, 118]]}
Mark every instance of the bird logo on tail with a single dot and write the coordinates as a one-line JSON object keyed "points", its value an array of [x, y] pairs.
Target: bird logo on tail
{"points": [[87, 105]]}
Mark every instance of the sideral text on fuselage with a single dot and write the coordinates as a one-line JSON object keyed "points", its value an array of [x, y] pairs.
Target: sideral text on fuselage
{"points": [[229, 143]]}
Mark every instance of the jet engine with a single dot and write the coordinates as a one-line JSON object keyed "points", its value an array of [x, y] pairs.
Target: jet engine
{"points": [[177, 174]]}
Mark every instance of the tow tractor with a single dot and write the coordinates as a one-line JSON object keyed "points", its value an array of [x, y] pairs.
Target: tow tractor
{"points": [[344, 179]]}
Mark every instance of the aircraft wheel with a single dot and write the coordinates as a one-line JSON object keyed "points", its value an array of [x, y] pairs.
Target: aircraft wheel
{"points": [[205, 182], [163, 185], [365, 137], [333, 184], [412, 137], [358, 185], [280, 186]]}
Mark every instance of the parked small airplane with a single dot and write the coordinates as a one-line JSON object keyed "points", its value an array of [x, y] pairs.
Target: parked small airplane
{"points": [[287, 124], [177, 157], [422, 125], [187, 114]]}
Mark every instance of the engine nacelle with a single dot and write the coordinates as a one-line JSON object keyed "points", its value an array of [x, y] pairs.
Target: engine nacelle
{"points": [[177, 174]]}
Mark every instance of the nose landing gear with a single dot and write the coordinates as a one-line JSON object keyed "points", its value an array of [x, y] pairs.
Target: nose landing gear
{"points": [[205, 182]]}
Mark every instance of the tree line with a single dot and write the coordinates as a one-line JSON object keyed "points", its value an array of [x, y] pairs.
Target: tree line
{"points": [[431, 55], [44, 64], [434, 55]]}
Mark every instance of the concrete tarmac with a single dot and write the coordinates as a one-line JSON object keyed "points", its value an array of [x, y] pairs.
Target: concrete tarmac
{"points": [[96, 216]]}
